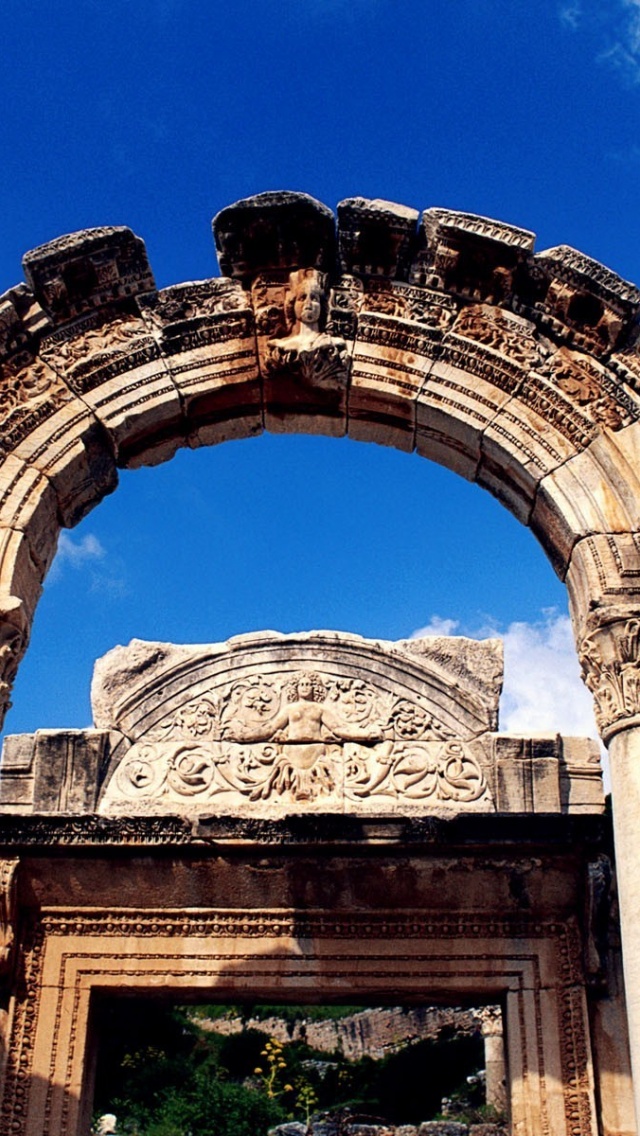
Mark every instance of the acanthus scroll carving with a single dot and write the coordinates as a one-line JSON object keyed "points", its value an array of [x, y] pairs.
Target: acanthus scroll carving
{"points": [[610, 661], [301, 737]]}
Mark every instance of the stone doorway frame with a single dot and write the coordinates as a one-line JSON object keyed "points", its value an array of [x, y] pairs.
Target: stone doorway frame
{"points": [[73, 955]]}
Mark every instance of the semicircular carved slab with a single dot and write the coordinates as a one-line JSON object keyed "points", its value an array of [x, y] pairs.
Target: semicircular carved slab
{"points": [[317, 722]]}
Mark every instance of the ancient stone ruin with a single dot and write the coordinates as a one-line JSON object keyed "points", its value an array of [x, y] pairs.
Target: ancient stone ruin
{"points": [[320, 816]]}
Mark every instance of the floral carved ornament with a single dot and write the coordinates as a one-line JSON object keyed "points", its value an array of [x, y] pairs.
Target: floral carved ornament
{"points": [[294, 738]]}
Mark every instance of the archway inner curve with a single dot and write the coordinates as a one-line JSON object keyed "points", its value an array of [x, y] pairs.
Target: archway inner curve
{"points": [[444, 334]]}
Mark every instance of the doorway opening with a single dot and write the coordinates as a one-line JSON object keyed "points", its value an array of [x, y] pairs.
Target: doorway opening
{"points": [[223, 1069]]}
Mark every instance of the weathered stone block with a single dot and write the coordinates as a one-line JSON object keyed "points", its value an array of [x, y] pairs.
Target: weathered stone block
{"points": [[67, 769], [274, 230], [72, 450], [604, 569], [21, 575], [577, 293], [581, 788], [376, 238], [468, 255], [17, 773], [94, 268], [29, 504], [585, 496]]}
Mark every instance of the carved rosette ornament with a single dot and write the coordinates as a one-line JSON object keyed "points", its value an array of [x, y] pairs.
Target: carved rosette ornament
{"points": [[610, 661], [296, 738]]}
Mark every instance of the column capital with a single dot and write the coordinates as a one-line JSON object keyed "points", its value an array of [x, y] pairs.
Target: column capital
{"points": [[610, 660]]}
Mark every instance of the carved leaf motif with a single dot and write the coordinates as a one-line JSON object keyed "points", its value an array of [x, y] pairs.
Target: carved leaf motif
{"points": [[297, 737], [614, 681], [494, 329], [191, 772], [460, 778], [199, 718], [119, 333]]}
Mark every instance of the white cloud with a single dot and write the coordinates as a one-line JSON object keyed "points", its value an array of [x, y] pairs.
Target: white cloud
{"points": [[542, 685], [104, 573], [437, 626], [571, 14], [75, 553]]}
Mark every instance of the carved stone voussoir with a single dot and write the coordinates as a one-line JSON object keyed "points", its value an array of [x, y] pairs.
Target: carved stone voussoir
{"points": [[508, 334], [184, 308], [596, 306], [94, 350], [289, 723], [115, 365], [376, 238], [594, 388], [610, 661], [469, 255], [30, 392], [89, 269], [274, 231]]}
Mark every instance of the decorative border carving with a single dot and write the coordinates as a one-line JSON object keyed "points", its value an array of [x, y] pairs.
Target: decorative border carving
{"points": [[254, 925]]}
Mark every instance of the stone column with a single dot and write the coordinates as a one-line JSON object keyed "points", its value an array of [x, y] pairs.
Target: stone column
{"points": [[494, 1062], [610, 658], [624, 752]]}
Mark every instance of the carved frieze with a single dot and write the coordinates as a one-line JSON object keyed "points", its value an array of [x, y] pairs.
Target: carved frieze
{"points": [[92, 351], [198, 314], [30, 392], [501, 331], [299, 737], [591, 386], [351, 296]]}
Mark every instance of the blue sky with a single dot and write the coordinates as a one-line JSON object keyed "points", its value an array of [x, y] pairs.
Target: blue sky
{"points": [[158, 113]]}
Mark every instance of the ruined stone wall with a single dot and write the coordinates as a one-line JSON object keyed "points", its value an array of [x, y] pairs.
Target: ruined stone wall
{"points": [[371, 1033]]}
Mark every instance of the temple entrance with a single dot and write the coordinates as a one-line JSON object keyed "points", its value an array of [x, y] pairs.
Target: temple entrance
{"points": [[238, 1070]]}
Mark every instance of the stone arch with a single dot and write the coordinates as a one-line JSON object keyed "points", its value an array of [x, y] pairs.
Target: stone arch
{"points": [[443, 333]]}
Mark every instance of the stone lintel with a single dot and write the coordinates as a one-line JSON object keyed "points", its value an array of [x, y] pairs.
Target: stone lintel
{"points": [[36, 834]]}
